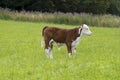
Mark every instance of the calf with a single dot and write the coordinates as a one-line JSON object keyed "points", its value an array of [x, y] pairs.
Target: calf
{"points": [[70, 37]]}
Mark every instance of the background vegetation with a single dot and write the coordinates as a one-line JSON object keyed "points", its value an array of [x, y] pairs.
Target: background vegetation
{"points": [[62, 18], [87, 6]]}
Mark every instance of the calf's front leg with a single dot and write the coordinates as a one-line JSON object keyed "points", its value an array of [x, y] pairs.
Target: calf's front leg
{"points": [[69, 48], [74, 50]]}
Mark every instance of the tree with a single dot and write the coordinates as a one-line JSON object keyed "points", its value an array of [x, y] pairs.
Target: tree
{"points": [[114, 7], [93, 6], [88, 6]]}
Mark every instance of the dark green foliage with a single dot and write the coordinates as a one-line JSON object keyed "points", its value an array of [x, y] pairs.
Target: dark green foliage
{"points": [[88, 6], [114, 7]]}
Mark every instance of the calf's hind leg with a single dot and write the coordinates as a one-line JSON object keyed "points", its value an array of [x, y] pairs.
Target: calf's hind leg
{"points": [[48, 49]]}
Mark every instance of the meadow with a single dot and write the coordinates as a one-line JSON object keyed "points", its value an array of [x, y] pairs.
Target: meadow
{"points": [[23, 58]]}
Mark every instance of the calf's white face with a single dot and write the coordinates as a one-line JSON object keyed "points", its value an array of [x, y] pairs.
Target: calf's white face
{"points": [[86, 30]]}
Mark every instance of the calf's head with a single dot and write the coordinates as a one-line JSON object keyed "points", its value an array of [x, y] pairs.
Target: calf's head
{"points": [[85, 30]]}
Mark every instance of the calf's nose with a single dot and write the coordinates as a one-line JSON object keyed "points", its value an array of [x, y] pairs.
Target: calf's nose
{"points": [[90, 33]]}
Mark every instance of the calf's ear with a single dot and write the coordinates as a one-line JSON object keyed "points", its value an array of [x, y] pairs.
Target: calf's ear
{"points": [[82, 25]]}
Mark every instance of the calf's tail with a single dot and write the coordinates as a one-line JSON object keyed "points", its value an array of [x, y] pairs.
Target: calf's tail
{"points": [[43, 30], [42, 41]]}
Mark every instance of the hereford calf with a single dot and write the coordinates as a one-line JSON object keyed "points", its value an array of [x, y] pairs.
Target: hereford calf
{"points": [[70, 37]]}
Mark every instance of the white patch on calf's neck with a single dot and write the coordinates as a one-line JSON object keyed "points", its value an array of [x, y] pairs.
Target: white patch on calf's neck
{"points": [[80, 30], [76, 42]]}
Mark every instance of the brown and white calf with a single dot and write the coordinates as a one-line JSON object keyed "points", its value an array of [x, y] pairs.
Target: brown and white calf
{"points": [[70, 37]]}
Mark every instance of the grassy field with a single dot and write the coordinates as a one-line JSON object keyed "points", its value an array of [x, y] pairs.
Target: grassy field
{"points": [[22, 58]]}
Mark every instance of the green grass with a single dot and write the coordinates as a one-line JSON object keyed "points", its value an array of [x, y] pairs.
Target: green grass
{"points": [[22, 58]]}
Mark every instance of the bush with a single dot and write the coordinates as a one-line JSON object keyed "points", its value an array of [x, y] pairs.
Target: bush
{"points": [[62, 18]]}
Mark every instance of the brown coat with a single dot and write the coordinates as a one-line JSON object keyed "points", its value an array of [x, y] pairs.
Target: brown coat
{"points": [[60, 35]]}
